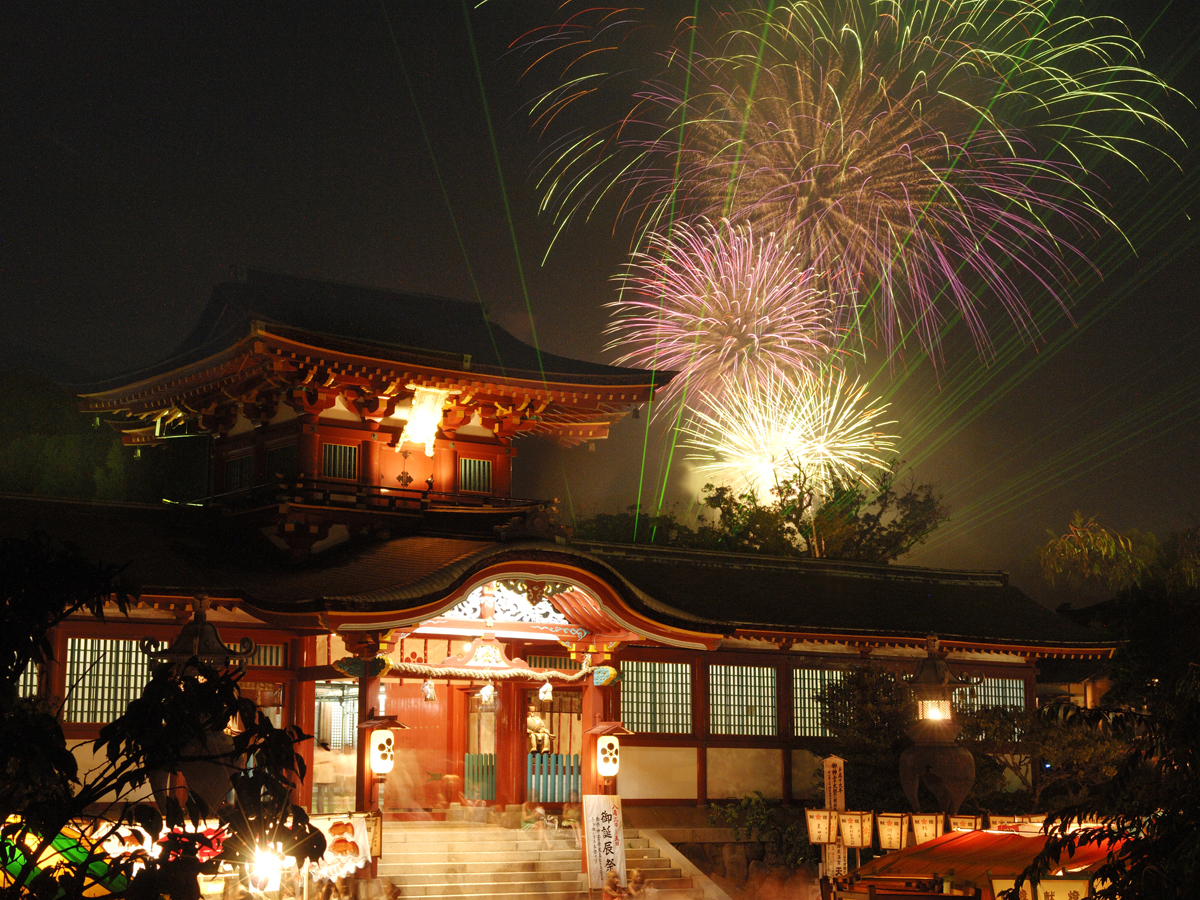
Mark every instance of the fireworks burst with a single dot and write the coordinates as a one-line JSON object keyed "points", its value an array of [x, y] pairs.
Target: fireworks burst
{"points": [[758, 437], [716, 302], [925, 156]]}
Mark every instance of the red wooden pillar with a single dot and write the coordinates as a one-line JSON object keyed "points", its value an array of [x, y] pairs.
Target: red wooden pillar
{"points": [[368, 472], [52, 682], [593, 715], [511, 745], [364, 779], [308, 461], [303, 652]]}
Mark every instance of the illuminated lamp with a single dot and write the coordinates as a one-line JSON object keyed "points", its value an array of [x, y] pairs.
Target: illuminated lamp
{"points": [[383, 751], [966, 823], [857, 828], [546, 692], [608, 756], [424, 416], [822, 825], [893, 831], [927, 826]]}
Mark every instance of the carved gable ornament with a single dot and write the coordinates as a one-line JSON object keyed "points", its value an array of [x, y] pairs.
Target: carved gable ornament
{"points": [[485, 653], [512, 601]]}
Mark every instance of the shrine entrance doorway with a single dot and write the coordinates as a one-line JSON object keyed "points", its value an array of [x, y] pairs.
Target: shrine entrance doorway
{"points": [[554, 729]]}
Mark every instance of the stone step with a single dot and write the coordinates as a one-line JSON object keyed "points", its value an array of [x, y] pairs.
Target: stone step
{"points": [[459, 868], [411, 854], [498, 889], [519, 893], [405, 877]]}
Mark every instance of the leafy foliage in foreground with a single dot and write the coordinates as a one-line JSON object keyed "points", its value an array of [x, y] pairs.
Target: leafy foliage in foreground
{"points": [[851, 522], [783, 830], [55, 819], [1151, 806]]}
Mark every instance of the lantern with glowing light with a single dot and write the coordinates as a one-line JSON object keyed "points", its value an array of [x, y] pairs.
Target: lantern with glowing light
{"points": [[927, 826], [857, 828], [424, 416], [947, 769], [608, 756], [893, 831], [822, 825], [383, 751]]}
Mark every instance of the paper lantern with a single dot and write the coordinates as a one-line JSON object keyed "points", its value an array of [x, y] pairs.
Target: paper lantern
{"points": [[608, 755], [822, 826], [927, 826], [966, 823], [893, 831], [383, 751], [857, 828]]}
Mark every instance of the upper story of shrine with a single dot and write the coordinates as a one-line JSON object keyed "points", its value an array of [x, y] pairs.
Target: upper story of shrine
{"points": [[361, 399]]}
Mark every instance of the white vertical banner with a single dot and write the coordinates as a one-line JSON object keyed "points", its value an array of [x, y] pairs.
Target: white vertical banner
{"points": [[835, 857], [603, 838]]}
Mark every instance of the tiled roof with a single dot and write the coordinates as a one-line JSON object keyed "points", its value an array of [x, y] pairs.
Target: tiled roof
{"points": [[183, 551], [450, 334]]}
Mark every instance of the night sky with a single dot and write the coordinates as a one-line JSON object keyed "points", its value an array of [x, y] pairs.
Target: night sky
{"points": [[145, 149]]}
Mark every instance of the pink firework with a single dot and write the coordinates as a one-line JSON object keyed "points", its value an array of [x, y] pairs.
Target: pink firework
{"points": [[716, 302]]}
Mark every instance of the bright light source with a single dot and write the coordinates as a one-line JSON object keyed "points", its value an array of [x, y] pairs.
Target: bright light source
{"points": [[265, 869], [936, 710], [608, 756], [383, 751], [424, 417], [546, 692]]}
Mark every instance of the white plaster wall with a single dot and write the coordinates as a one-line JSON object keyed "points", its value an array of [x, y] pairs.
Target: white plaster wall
{"points": [[657, 773], [737, 771], [806, 774]]}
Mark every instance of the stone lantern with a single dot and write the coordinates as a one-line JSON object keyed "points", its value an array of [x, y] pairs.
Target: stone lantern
{"points": [[945, 768]]}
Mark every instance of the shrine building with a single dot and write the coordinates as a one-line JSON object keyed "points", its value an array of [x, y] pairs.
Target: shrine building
{"points": [[360, 528]]}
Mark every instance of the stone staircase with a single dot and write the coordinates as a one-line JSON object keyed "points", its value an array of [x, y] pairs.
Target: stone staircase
{"points": [[473, 861]]}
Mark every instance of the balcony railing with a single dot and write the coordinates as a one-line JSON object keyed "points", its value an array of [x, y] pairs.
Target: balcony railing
{"points": [[335, 494]]}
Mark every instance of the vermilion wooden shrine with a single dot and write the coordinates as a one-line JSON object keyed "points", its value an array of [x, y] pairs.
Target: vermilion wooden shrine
{"points": [[361, 530]]}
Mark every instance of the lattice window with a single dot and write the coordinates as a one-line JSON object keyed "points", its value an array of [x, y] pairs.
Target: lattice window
{"points": [[742, 700], [271, 655], [281, 461], [337, 715], [806, 684], [239, 473], [562, 663], [656, 697], [340, 461], [475, 475], [102, 677], [1006, 692], [27, 684]]}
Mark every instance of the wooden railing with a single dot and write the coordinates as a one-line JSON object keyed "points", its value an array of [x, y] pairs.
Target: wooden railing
{"points": [[552, 778], [336, 494], [479, 782]]}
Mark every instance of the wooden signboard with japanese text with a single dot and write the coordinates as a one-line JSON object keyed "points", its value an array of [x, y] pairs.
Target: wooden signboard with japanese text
{"points": [[835, 857], [603, 838]]}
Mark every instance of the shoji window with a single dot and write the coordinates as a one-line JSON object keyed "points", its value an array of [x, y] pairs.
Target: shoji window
{"points": [[1006, 692], [102, 677], [806, 684], [27, 684], [656, 697], [742, 700]]}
